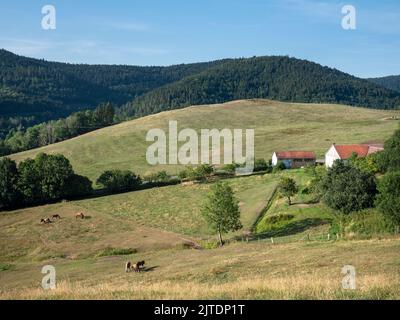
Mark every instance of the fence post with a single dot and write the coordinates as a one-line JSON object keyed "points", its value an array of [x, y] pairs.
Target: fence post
{"points": [[329, 236], [337, 236], [272, 240]]}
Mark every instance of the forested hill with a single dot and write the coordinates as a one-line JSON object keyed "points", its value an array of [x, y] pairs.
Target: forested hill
{"points": [[390, 82], [32, 87], [33, 90], [279, 78]]}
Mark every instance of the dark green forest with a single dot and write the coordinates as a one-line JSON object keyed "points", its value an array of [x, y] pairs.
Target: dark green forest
{"points": [[279, 78], [34, 91], [390, 82]]}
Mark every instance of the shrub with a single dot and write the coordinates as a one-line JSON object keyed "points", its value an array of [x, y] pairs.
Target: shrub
{"points": [[261, 165], [118, 180], [161, 176], [280, 166], [346, 188], [77, 186], [109, 251], [199, 173], [388, 200], [274, 223], [231, 167], [389, 159]]}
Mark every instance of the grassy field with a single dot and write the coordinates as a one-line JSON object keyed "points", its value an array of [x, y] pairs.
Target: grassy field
{"points": [[278, 126], [255, 270], [143, 220], [161, 225], [164, 225]]}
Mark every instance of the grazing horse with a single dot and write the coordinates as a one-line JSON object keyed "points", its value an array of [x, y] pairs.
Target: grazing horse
{"points": [[128, 266], [135, 267], [80, 215], [45, 221], [56, 216], [138, 266]]}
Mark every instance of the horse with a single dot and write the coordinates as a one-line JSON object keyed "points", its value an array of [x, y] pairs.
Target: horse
{"points": [[128, 266], [56, 216], [138, 266], [135, 267], [80, 215], [45, 221]]}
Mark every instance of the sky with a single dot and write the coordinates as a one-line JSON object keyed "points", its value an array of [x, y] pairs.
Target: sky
{"points": [[165, 32]]}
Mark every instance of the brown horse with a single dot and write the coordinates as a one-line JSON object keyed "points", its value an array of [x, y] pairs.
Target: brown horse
{"points": [[128, 266], [80, 215], [56, 216], [45, 221], [137, 267]]}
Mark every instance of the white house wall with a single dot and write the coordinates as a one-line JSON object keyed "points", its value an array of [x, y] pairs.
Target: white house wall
{"points": [[331, 156]]}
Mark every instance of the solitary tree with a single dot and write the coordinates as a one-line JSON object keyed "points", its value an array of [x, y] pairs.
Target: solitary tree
{"points": [[388, 199], [221, 210], [288, 188]]}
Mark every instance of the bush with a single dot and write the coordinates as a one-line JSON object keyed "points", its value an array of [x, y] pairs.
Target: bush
{"points": [[118, 180], [210, 244], [346, 188], [199, 173], [78, 186], [368, 222], [161, 176], [261, 165], [109, 251], [231, 167], [280, 166], [389, 159], [274, 223], [388, 200]]}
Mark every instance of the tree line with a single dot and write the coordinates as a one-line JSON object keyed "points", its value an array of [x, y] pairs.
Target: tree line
{"points": [[57, 130]]}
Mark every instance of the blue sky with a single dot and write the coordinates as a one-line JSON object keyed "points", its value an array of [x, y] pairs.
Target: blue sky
{"points": [[161, 32]]}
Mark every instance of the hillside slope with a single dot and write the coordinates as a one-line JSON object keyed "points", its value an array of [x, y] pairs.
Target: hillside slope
{"points": [[390, 82], [278, 126], [46, 90], [275, 77]]}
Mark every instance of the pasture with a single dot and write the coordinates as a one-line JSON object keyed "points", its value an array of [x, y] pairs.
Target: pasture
{"points": [[278, 126]]}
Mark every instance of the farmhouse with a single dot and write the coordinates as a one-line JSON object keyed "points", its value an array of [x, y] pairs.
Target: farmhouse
{"points": [[344, 152], [294, 159]]}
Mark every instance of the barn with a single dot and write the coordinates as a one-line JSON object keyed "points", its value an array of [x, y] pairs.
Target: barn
{"points": [[294, 159], [345, 151]]}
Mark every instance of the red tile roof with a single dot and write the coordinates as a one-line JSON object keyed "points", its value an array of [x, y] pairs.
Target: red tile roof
{"points": [[362, 150], [295, 155]]}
